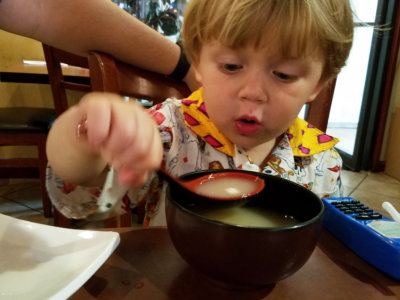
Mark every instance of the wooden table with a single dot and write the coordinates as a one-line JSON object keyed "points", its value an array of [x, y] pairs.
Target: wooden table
{"points": [[147, 266], [28, 73]]}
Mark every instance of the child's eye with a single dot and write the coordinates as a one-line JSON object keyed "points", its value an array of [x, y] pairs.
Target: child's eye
{"points": [[283, 76], [231, 67]]}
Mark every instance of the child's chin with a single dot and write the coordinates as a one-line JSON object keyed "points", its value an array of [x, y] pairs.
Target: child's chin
{"points": [[247, 145]]}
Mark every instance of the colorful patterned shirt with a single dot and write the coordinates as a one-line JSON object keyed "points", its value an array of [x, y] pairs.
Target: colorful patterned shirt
{"points": [[304, 155]]}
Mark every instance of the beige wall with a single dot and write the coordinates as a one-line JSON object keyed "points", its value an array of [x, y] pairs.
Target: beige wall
{"points": [[13, 50]]}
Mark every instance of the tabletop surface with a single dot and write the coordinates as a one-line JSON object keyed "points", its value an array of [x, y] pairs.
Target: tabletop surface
{"points": [[146, 266], [37, 73], [40, 68]]}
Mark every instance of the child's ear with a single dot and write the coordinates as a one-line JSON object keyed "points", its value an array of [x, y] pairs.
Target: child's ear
{"points": [[318, 88]]}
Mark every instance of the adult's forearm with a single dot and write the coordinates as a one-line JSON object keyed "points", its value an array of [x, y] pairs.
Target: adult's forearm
{"points": [[82, 26]]}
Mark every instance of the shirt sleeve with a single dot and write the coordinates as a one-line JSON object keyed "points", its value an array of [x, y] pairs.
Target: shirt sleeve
{"points": [[78, 202], [96, 203], [328, 182]]}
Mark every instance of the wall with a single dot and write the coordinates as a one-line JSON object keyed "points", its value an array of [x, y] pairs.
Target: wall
{"points": [[13, 50], [395, 98], [394, 102]]}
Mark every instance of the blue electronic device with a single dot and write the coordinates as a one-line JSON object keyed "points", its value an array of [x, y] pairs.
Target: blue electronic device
{"points": [[369, 234]]}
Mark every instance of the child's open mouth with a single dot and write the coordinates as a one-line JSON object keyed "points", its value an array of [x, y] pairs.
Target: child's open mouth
{"points": [[247, 126]]}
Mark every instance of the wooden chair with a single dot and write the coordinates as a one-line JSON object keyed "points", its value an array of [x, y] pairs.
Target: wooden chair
{"points": [[106, 75], [60, 83], [110, 75], [317, 112], [26, 126]]}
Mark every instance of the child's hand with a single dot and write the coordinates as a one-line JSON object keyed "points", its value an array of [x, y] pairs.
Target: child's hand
{"points": [[124, 134]]}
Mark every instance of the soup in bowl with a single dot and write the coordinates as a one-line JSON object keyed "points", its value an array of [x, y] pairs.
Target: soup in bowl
{"points": [[248, 245]]}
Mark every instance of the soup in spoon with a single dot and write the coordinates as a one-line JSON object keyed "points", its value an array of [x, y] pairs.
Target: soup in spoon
{"points": [[228, 185]]}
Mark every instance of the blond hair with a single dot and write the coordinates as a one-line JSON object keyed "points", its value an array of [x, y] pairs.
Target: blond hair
{"points": [[294, 27]]}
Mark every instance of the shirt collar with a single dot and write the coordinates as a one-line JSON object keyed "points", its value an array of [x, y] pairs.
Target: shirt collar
{"points": [[304, 138]]}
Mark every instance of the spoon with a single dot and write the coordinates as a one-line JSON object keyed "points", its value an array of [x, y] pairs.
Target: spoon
{"points": [[392, 211], [221, 186]]}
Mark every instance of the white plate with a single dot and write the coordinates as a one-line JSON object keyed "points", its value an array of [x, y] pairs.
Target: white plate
{"points": [[46, 262]]}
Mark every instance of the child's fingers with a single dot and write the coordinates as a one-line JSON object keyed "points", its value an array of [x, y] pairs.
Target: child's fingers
{"points": [[124, 128], [134, 143], [128, 177], [98, 118], [97, 109], [124, 134], [140, 156]]}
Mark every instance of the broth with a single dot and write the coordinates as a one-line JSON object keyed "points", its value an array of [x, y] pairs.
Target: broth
{"points": [[247, 216], [226, 187]]}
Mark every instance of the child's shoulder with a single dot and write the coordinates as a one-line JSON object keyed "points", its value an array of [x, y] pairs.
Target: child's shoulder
{"points": [[169, 102], [167, 112], [306, 140], [167, 106]]}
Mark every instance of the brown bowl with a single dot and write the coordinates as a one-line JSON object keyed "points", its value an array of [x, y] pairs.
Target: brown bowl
{"points": [[245, 257]]}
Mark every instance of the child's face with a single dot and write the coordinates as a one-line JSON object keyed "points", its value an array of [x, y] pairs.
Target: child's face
{"points": [[253, 95]]}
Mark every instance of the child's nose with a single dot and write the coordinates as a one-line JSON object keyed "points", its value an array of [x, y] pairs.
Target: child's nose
{"points": [[254, 88]]}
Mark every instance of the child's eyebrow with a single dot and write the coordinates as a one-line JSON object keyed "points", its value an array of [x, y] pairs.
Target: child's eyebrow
{"points": [[303, 60], [302, 64]]}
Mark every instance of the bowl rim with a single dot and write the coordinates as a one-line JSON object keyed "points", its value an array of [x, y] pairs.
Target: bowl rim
{"points": [[239, 227]]}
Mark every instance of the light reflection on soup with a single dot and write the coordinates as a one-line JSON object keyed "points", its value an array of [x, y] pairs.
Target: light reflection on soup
{"points": [[248, 216], [221, 187]]}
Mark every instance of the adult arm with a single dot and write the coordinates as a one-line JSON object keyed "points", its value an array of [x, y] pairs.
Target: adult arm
{"points": [[82, 26]]}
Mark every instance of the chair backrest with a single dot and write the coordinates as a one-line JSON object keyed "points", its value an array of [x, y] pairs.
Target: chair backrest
{"points": [[110, 75], [317, 112], [58, 81]]}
